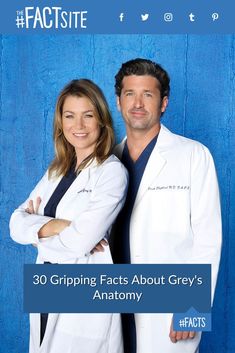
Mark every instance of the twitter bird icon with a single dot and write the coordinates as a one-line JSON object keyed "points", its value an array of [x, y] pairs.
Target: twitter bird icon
{"points": [[144, 17]]}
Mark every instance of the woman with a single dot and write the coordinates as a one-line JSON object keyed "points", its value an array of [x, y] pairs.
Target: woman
{"points": [[84, 182]]}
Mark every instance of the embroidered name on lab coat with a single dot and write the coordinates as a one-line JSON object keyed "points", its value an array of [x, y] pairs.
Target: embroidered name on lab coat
{"points": [[169, 187], [84, 190]]}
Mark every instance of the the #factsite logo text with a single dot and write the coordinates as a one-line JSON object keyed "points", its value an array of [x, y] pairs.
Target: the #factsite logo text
{"points": [[50, 18]]}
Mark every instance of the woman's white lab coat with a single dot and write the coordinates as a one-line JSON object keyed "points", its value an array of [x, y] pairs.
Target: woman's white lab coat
{"points": [[92, 203], [175, 219]]}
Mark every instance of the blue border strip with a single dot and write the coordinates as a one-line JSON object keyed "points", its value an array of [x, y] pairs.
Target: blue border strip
{"points": [[117, 17]]}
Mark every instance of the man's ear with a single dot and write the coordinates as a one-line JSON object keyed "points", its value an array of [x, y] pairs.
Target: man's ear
{"points": [[164, 104], [118, 103]]}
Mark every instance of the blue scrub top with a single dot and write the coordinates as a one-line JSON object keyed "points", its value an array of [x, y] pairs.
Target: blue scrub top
{"points": [[60, 190], [121, 246], [50, 211]]}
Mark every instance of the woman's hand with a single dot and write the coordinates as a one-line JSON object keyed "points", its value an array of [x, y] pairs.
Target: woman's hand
{"points": [[33, 209], [53, 227], [100, 246]]}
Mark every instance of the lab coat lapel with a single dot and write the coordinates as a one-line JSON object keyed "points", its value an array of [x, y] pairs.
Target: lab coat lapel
{"points": [[154, 166], [156, 162], [49, 333], [79, 184]]}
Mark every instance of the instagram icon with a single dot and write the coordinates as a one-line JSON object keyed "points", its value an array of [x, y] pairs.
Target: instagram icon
{"points": [[168, 17]]}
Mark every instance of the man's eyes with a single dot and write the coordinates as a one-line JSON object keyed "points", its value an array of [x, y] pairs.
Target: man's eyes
{"points": [[145, 94]]}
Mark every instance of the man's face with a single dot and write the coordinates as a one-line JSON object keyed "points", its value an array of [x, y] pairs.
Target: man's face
{"points": [[140, 102]]}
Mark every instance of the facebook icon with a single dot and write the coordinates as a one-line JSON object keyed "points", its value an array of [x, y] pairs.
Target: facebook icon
{"points": [[121, 16]]}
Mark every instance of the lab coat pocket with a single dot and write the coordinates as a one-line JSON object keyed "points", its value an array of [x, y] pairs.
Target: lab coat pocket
{"points": [[94, 326], [85, 333], [170, 208]]}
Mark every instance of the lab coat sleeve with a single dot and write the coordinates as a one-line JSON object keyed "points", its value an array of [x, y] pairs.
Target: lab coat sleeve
{"points": [[24, 227], [205, 211], [92, 225]]}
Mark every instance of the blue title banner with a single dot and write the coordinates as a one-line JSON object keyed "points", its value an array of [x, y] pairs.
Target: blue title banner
{"points": [[117, 17], [117, 288]]}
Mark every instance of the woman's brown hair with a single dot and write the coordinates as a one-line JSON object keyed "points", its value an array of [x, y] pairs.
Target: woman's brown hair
{"points": [[65, 156]]}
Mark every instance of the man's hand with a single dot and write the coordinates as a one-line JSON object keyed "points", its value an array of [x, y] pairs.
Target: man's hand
{"points": [[100, 246], [53, 227], [180, 335]]}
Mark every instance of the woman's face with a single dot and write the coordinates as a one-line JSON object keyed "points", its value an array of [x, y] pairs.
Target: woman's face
{"points": [[80, 125]]}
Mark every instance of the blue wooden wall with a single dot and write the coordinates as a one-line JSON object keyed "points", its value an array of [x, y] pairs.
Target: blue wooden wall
{"points": [[33, 69]]}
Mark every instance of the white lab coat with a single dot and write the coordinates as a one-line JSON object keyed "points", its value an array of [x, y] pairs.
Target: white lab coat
{"points": [[92, 203], [176, 219]]}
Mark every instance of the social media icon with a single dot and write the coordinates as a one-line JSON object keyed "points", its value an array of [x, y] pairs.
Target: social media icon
{"points": [[121, 16], [215, 16], [168, 17], [144, 17], [192, 17]]}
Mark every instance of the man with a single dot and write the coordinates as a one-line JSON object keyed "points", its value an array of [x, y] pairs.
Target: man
{"points": [[172, 211]]}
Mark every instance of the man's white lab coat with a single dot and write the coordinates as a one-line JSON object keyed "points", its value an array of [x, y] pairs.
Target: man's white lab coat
{"points": [[176, 219]]}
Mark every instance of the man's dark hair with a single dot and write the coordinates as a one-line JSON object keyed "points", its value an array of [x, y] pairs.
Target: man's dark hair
{"points": [[141, 67]]}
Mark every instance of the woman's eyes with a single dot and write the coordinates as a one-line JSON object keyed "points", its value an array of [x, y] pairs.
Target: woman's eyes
{"points": [[70, 116]]}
